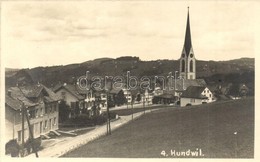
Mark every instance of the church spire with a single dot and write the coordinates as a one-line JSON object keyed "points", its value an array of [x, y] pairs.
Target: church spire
{"points": [[187, 60], [187, 42]]}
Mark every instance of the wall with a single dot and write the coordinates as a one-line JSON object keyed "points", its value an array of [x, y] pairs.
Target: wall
{"points": [[14, 123], [185, 101]]}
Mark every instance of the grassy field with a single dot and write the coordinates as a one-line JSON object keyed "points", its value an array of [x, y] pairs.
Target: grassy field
{"points": [[208, 127]]}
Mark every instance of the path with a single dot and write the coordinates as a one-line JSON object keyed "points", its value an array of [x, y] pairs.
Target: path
{"points": [[71, 143]]}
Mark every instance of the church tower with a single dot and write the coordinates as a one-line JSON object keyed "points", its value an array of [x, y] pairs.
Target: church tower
{"points": [[187, 60]]}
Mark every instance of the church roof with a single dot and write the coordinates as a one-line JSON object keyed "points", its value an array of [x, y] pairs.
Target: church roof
{"points": [[183, 84], [187, 41]]}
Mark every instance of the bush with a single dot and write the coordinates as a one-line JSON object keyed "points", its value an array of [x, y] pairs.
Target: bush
{"points": [[111, 113], [83, 119], [12, 147], [29, 144]]}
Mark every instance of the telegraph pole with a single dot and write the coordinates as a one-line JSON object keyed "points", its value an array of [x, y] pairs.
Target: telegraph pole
{"points": [[144, 104], [30, 131], [31, 135], [132, 104], [108, 119], [22, 108]]}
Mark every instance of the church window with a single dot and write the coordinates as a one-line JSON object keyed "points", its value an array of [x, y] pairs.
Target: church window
{"points": [[182, 66], [191, 66]]}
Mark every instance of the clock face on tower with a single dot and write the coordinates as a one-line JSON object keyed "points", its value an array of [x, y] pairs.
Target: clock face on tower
{"points": [[183, 55], [191, 55]]}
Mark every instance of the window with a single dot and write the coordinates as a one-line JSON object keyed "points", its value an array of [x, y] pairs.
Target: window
{"points": [[54, 121], [19, 135], [209, 95], [55, 107], [46, 108], [36, 113], [52, 108], [63, 95], [41, 111], [31, 114], [182, 66], [191, 66], [192, 100], [45, 123], [207, 91]]}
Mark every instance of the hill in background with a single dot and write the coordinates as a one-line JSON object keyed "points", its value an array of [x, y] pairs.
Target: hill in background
{"points": [[236, 71]]}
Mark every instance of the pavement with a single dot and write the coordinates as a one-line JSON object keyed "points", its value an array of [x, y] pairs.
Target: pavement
{"points": [[64, 145]]}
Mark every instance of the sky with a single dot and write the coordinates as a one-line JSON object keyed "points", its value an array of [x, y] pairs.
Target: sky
{"points": [[51, 33]]}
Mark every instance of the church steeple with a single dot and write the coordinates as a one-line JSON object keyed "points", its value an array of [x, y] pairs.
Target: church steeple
{"points": [[187, 60], [187, 42]]}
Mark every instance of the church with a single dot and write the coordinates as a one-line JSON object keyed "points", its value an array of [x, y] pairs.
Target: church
{"points": [[188, 89]]}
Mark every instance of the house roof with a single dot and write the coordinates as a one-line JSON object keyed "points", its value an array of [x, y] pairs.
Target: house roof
{"points": [[115, 91], [32, 90], [166, 95], [182, 84], [13, 103], [73, 89], [194, 92], [16, 96]]}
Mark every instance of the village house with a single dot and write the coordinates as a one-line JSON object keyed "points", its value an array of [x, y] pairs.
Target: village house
{"points": [[101, 100], [79, 100], [128, 95], [147, 97], [195, 95], [116, 97], [40, 104]]}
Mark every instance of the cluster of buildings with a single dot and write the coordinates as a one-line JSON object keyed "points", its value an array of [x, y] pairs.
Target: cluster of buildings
{"points": [[41, 104]]}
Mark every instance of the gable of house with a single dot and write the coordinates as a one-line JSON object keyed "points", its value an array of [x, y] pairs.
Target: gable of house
{"points": [[71, 89]]}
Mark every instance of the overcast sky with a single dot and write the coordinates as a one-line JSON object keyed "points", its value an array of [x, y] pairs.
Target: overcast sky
{"points": [[59, 33]]}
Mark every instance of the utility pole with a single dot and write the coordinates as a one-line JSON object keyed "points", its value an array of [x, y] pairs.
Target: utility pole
{"points": [[132, 112], [30, 131], [144, 104], [108, 119], [31, 135], [132, 104], [22, 108]]}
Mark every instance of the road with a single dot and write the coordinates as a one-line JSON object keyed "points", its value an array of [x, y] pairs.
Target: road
{"points": [[70, 143]]}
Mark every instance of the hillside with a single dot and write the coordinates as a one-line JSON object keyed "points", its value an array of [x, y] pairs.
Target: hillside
{"points": [[209, 70], [209, 127]]}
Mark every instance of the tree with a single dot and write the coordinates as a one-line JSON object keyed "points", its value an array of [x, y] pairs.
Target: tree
{"points": [[64, 111], [120, 98], [138, 97]]}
